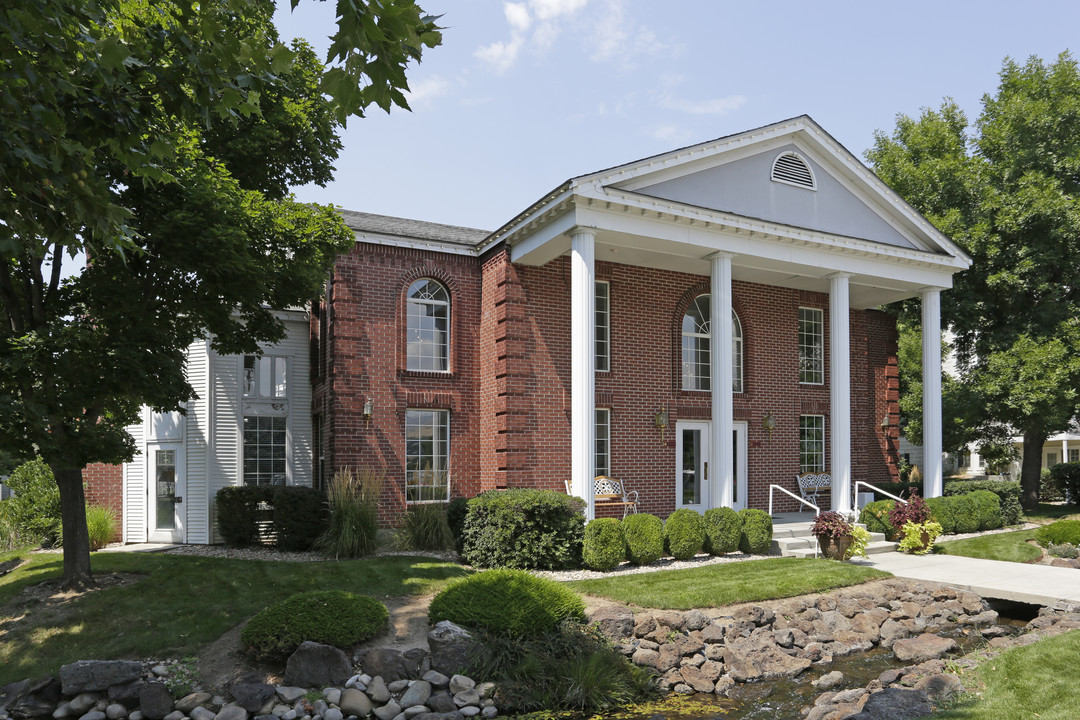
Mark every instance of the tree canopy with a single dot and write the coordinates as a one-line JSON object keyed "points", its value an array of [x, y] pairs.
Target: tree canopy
{"points": [[160, 138], [1006, 190]]}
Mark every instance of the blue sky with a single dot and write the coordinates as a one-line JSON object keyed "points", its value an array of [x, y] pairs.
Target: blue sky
{"points": [[524, 95]]}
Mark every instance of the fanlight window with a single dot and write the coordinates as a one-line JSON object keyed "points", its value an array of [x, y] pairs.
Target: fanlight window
{"points": [[696, 329], [427, 337], [791, 169]]}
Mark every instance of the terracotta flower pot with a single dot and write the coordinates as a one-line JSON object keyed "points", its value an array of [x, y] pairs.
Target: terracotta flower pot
{"points": [[835, 548]]}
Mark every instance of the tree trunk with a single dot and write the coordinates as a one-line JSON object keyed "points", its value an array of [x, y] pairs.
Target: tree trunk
{"points": [[76, 538], [1031, 469]]}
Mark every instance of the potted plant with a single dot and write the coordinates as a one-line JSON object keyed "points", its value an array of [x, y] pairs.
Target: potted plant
{"points": [[919, 537], [833, 534]]}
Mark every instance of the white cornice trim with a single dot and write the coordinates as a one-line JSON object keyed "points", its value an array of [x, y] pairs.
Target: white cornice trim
{"points": [[429, 245]]}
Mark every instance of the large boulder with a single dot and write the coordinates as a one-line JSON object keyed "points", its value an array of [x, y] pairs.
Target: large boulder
{"points": [[389, 664], [895, 704], [922, 648], [317, 665], [761, 661], [155, 700], [614, 622], [452, 648], [94, 675]]}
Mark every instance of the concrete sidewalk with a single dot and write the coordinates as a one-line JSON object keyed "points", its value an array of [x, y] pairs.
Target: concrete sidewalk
{"points": [[1020, 582]]}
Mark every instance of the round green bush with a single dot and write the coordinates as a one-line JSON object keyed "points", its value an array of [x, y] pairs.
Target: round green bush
{"points": [[875, 516], [987, 509], [967, 513], [723, 526], [941, 509], [507, 602], [604, 545], [34, 511], [524, 528], [644, 535], [1059, 533], [331, 617], [756, 536], [684, 534]]}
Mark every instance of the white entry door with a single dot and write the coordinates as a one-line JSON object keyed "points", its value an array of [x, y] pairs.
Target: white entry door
{"points": [[165, 492], [692, 460]]}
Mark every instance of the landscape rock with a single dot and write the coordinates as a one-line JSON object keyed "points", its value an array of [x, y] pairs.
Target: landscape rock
{"points": [[317, 665], [191, 701], [289, 693], [615, 622], [924, 647], [377, 691], [96, 675], [389, 711], [466, 697], [829, 680], [417, 694], [252, 696], [155, 700], [895, 704], [452, 648], [460, 683], [354, 702], [442, 702], [437, 679], [115, 711], [232, 712]]}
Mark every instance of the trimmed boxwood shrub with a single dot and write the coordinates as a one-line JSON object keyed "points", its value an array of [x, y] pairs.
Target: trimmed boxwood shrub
{"points": [[684, 534], [1007, 491], [604, 546], [455, 518], [941, 508], [1067, 477], [507, 602], [875, 516], [723, 526], [524, 528], [644, 535], [300, 516], [1058, 533], [756, 535], [331, 617], [987, 509], [967, 513], [238, 513]]}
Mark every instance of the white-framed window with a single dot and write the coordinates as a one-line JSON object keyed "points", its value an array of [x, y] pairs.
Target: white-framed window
{"points": [[603, 441], [603, 326], [427, 335], [265, 376], [1051, 459], [811, 443], [696, 330], [427, 453], [811, 346], [1074, 455], [265, 456]]}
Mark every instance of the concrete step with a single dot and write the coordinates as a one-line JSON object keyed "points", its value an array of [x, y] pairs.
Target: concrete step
{"points": [[874, 548]]}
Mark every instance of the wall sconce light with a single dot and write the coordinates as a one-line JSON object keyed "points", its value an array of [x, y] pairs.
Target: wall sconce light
{"points": [[885, 426], [768, 424], [660, 420], [369, 410]]}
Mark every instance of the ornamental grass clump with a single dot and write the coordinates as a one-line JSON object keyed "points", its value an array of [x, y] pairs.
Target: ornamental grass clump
{"points": [[1059, 533], [684, 534], [353, 528], [644, 534], [513, 603], [426, 528], [604, 546], [723, 526], [100, 525], [330, 617]]}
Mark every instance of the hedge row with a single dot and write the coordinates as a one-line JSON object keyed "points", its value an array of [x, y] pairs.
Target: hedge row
{"points": [[289, 518], [1008, 493], [643, 539], [523, 528], [970, 512]]}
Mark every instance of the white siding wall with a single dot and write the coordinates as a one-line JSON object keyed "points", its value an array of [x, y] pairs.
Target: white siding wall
{"points": [[297, 347], [135, 489], [196, 503], [226, 433]]}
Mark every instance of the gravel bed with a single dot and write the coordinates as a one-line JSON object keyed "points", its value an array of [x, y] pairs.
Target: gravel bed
{"points": [[262, 553], [1014, 528], [663, 564]]}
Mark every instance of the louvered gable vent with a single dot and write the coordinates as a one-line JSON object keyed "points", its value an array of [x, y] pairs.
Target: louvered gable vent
{"points": [[790, 168]]}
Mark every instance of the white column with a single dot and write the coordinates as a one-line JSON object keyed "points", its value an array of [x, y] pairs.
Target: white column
{"points": [[1065, 450], [840, 391], [721, 446], [931, 362], [582, 364]]}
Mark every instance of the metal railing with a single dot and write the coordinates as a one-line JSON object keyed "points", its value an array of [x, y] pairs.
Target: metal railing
{"points": [[855, 491], [817, 510]]}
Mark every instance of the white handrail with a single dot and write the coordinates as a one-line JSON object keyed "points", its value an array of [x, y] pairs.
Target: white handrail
{"points": [[817, 510], [875, 489]]}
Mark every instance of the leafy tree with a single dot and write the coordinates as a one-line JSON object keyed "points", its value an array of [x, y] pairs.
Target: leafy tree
{"points": [[1006, 190], [160, 139]]}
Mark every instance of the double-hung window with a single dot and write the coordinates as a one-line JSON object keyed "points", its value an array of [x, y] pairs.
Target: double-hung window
{"points": [[603, 326], [696, 332], [427, 333], [603, 441], [812, 443], [811, 346], [427, 453], [264, 450]]}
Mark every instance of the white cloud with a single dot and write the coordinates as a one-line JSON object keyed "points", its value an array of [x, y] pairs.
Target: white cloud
{"points": [[551, 9], [713, 106], [520, 17], [423, 92], [615, 37], [517, 14], [669, 133], [500, 55]]}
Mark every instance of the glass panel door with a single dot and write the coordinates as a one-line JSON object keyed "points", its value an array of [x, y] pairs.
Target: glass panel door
{"points": [[692, 465], [165, 485], [165, 490]]}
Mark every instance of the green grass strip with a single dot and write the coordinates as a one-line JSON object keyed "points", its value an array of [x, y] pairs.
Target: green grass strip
{"points": [[728, 583], [181, 605], [1037, 681], [1010, 547]]}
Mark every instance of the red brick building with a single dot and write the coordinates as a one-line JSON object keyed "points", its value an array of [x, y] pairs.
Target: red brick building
{"points": [[701, 325]]}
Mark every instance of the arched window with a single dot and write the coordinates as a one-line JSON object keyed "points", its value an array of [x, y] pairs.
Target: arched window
{"points": [[791, 168], [695, 347], [427, 335]]}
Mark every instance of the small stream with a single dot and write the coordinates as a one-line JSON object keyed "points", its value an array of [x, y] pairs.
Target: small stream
{"points": [[784, 699]]}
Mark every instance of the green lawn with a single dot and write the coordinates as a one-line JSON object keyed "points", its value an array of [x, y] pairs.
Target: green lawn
{"points": [[1011, 547], [1049, 512], [725, 584], [1037, 681], [180, 605]]}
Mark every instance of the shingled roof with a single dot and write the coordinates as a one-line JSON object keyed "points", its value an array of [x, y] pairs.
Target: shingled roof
{"points": [[374, 228]]}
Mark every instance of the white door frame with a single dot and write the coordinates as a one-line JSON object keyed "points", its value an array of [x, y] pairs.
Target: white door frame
{"points": [[709, 498], [176, 533]]}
